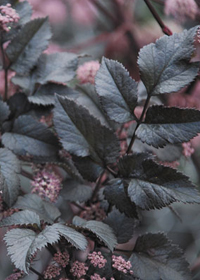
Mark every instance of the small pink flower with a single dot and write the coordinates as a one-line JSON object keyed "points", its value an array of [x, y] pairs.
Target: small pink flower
{"points": [[121, 264], [188, 150], [93, 212], [52, 271], [97, 277], [86, 73], [181, 9], [8, 16], [78, 269], [47, 184], [15, 276], [61, 258], [97, 259]]}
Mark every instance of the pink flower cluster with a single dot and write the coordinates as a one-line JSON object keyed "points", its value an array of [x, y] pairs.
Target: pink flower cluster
{"points": [[86, 73], [97, 277], [120, 264], [47, 184], [93, 212], [61, 258], [97, 259], [52, 271], [188, 150], [15, 276], [78, 269], [181, 9], [7, 16]]}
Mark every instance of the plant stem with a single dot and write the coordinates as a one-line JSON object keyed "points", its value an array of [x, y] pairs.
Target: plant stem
{"points": [[164, 28], [26, 174], [98, 184], [5, 73], [36, 272], [138, 124], [78, 206]]}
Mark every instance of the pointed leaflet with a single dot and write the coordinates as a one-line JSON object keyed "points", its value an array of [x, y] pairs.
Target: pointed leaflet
{"points": [[56, 67], [115, 194], [47, 211], [156, 186], [9, 179], [30, 136], [165, 125], [75, 191], [117, 90], [155, 257], [123, 226], [23, 243], [100, 229], [4, 112], [82, 134], [165, 66], [26, 47], [25, 217]]}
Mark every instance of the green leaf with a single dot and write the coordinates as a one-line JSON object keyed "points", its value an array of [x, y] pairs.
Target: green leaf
{"points": [[165, 125], [28, 136], [9, 179], [117, 90], [156, 186], [123, 226], [26, 82], [100, 229], [82, 134], [155, 258], [4, 112], [26, 47], [115, 194], [56, 67], [74, 191], [45, 95], [165, 66], [47, 211], [25, 217]]}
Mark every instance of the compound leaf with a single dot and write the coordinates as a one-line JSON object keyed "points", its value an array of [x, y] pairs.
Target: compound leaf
{"points": [[82, 134], [30, 136], [117, 90], [100, 229], [115, 194], [26, 47], [165, 66], [47, 211], [9, 179], [56, 67], [74, 191], [155, 257], [156, 186], [25, 217], [165, 125]]}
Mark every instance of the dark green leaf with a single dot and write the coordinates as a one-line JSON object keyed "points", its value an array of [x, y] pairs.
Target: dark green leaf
{"points": [[115, 194], [100, 229], [9, 180], [155, 258], [117, 90], [26, 47], [47, 211], [165, 125], [25, 217], [26, 82], [74, 191], [30, 137], [123, 226], [57, 67], [156, 186], [68, 165], [88, 169], [165, 67], [82, 134], [45, 95], [4, 112]]}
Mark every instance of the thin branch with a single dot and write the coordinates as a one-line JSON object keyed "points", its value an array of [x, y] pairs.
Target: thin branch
{"points": [[78, 206], [36, 272], [164, 28], [5, 73], [138, 124], [26, 174], [98, 184]]}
